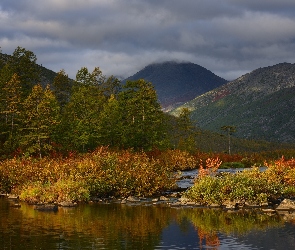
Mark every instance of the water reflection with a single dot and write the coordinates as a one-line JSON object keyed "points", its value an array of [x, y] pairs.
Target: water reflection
{"points": [[116, 226]]}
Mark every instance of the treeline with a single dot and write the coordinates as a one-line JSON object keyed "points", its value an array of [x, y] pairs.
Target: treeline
{"points": [[82, 114]]}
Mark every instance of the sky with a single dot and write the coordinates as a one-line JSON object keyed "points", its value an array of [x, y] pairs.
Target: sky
{"points": [[121, 37]]}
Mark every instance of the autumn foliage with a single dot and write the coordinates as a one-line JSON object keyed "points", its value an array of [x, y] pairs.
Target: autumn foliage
{"points": [[251, 185], [101, 173]]}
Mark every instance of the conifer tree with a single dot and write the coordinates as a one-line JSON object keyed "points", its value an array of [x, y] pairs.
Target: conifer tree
{"points": [[82, 114], [23, 63], [142, 115], [40, 117], [62, 86], [185, 131], [110, 126], [10, 111]]}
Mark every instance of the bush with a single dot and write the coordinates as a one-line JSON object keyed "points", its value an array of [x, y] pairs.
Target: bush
{"points": [[101, 173], [249, 185]]}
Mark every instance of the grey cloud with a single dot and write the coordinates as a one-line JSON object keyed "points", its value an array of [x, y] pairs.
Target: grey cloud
{"points": [[228, 37]]}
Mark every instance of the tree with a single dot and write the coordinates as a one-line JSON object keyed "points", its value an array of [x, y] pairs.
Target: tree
{"points": [[40, 118], [142, 116], [23, 63], [230, 130], [111, 87], [86, 78], [62, 86], [10, 111], [107, 85], [81, 117], [111, 123], [185, 131]]}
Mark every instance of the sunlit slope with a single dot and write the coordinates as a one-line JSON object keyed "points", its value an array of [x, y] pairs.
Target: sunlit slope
{"points": [[261, 105]]}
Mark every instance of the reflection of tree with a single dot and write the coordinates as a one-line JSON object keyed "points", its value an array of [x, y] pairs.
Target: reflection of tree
{"points": [[111, 226], [210, 222], [211, 239], [115, 226]]}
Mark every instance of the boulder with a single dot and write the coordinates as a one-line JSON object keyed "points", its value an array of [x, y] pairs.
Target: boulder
{"points": [[46, 207], [133, 199], [286, 204], [164, 198], [67, 204]]}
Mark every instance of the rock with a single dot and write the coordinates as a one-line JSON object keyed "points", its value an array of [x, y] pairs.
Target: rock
{"points": [[67, 204], [163, 198], [268, 211], [175, 194], [176, 204], [286, 215], [12, 196], [155, 199], [286, 204], [183, 199], [214, 205], [249, 204], [231, 204], [123, 201], [133, 199], [46, 207], [191, 203]]}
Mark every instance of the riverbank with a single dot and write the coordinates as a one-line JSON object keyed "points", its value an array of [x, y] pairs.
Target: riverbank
{"points": [[284, 208], [124, 174]]}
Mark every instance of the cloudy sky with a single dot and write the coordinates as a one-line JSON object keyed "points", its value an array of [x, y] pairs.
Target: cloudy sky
{"points": [[228, 37]]}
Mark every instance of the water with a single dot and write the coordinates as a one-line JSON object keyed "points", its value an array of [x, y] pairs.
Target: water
{"points": [[129, 226]]}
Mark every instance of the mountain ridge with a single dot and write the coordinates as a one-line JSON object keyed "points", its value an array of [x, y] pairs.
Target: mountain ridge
{"points": [[261, 104]]}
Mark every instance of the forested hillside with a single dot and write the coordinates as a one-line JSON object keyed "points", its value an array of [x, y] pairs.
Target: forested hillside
{"points": [[46, 113], [93, 110], [260, 105]]}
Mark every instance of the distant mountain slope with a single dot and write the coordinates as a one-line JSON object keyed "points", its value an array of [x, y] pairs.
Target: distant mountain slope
{"points": [[47, 76], [260, 104], [178, 82]]}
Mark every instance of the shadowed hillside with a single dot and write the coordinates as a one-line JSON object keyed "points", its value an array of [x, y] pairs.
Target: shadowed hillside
{"points": [[177, 83]]}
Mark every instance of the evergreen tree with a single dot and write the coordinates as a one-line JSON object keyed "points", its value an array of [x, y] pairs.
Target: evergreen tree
{"points": [[229, 130], [23, 63], [62, 86], [185, 138], [10, 112], [82, 114], [40, 118], [142, 116], [111, 123]]}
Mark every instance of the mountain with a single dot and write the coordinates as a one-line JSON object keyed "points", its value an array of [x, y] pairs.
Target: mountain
{"points": [[46, 75], [260, 104], [178, 83]]}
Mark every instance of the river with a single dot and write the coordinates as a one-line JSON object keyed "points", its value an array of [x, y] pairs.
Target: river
{"points": [[130, 226]]}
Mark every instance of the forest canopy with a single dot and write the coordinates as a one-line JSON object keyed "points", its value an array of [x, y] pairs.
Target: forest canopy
{"points": [[82, 114]]}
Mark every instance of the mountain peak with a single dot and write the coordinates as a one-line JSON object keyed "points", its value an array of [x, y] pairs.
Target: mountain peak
{"points": [[178, 82]]}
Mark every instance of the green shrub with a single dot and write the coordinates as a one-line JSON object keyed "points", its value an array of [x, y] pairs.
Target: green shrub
{"points": [[249, 185]]}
